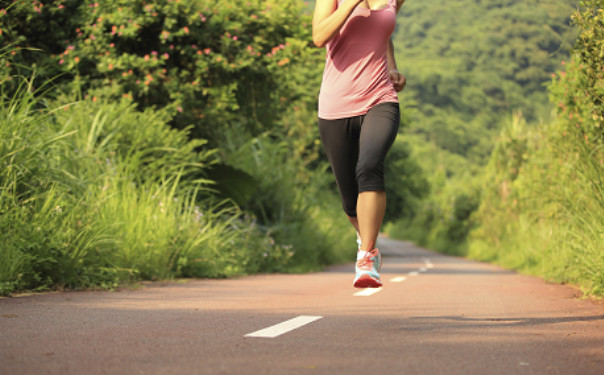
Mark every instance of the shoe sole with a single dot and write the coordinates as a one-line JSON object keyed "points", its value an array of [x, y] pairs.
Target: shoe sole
{"points": [[366, 281]]}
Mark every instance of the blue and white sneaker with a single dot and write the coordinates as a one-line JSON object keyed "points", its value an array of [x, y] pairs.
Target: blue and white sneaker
{"points": [[367, 269]]}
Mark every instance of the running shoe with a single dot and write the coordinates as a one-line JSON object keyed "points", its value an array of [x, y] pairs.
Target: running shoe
{"points": [[367, 270]]}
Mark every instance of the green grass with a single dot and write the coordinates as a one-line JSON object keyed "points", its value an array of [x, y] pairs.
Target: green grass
{"points": [[293, 203], [95, 193], [541, 202], [543, 213]]}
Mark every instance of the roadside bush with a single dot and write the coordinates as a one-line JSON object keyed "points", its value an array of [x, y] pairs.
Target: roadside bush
{"points": [[214, 66], [96, 193], [294, 205], [544, 187], [406, 185]]}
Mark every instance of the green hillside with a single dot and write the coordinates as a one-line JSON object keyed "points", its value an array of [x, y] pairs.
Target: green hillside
{"points": [[514, 179], [470, 64]]}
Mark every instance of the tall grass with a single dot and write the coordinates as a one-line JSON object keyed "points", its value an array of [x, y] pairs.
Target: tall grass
{"points": [[542, 207], [96, 193], [292, 203]]}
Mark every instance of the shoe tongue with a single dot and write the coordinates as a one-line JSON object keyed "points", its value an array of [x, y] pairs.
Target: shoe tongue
{"points": [[361, 254]]}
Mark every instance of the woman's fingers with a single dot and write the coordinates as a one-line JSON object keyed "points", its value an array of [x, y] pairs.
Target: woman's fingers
{"points": [[398, 80], [402, 82]]}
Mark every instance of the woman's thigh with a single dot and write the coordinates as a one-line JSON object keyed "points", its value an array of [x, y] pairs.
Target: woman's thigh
{"points": [[378, 132]]}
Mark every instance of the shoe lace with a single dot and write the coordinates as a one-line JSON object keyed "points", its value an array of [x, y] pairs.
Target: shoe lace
{"points": [[366, 263]]}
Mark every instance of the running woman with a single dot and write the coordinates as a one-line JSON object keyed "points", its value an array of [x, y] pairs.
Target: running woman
{"points": [[359, 113]]}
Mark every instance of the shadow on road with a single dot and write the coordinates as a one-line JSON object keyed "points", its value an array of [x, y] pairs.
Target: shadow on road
{"points": [[467, 322]]}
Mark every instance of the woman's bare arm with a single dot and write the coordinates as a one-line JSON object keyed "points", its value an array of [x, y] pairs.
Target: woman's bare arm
{"points": [[398, 80], [328, 19]]}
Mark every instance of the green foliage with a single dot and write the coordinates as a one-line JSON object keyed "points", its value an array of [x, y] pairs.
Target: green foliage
{"points": [[578, 91], [100, 189], [544, 188], [542, 205], [466, 74], [215, 66], [405, 182], [293, 203], [96, 193], [492, 58]]}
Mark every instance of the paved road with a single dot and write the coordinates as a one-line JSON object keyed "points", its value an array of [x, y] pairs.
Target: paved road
{"points": [[435, 315]]}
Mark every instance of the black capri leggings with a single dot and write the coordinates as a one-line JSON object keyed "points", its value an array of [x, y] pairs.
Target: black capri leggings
{"points": [[356, 148]]}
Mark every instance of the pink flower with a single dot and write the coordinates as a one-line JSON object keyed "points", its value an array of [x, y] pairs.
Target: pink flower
{"points": [[154, 53], [207, 51], [166, 56], [235, 37], [61, 61]]}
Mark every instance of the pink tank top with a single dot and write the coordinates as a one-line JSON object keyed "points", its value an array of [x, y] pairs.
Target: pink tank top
{"points": [[356, 78]]}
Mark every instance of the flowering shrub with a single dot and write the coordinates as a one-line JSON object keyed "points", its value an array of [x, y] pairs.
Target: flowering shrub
{"points": [[212, 64]]}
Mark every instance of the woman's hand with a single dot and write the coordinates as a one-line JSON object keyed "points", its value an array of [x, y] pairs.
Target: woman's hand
{"points": [[398, 80]]}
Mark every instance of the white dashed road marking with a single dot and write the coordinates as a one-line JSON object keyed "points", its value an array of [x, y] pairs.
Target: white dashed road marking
{"points": [[284, 327], [367, 292], [371, 291]]}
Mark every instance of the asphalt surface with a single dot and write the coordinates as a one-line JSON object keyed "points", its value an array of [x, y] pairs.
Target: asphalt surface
{"points": [[435, 315]]}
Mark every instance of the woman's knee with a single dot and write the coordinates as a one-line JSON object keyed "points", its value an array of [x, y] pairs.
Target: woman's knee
{"points": [[370, 175]]}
